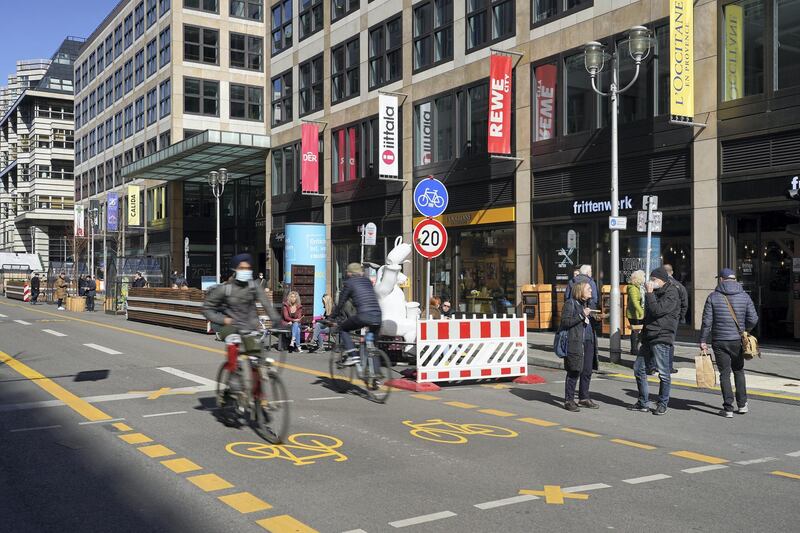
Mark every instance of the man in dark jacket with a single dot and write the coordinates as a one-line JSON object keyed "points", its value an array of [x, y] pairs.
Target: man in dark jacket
{"points": [[368, 310], [684, 309], [138, 281], [89, 291], [718, 321], [35, 287], [585, 274], [662, 311]]}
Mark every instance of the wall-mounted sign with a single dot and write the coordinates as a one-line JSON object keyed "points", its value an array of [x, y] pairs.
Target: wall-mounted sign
{"points": [[500, 67], [546, 76], [80, 229], [112, 211], [134, 218], [681, 64], [734, 52], [388, 145], [309, 166]]}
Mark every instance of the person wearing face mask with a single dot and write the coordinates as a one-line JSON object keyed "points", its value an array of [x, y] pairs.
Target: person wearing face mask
{"points": [[662, 313], [231, 307]]}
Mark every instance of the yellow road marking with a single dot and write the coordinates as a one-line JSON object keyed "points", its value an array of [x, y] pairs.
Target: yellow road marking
{"points": [[163, 391], [244, 502], [785, 474], [461, 405], [425, 397], [496, 412], [80, 406], [537, 422], [122, 426], [694, 386], [554, 495], [156, 450], [179, 466], [135, 438], [499, 386], [634, 444], [580, 432], [284, 524], [699, 457], [210, 482]]}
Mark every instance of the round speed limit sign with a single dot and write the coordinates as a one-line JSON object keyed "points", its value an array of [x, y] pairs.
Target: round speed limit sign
{"points": [[430, 238]]}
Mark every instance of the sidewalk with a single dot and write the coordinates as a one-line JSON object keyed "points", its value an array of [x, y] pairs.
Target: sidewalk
{"points": [[778, 371]]}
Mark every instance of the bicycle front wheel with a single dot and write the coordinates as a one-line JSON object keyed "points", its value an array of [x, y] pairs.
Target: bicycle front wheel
{"points": [[377, 372], [341, 376], [272, 409], [223, 387]]}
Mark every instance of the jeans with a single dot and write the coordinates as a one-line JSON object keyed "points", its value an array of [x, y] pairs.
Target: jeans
{"points": [[296, 336], [357, 322], [89, 303], [318, 329], [585, 375], [656, 355], [729, 357]]}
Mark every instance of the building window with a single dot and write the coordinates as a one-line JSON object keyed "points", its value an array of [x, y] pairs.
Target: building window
{"points": [[247, 51], [385, 53], [311, 85], [152, 106], [633, 103], [346, 150], [341, 8], [489, 21], [247, 102], [212, 6], [282, 98], [165, 139], [139, 110], [100, 63], [787, 43], [281, 26], [109, 133], [152, 13], [152, 146], [129, 121], [164, 96], [743, 49], [128, 76], [92, 105], [247, 9], [345, 67], [201, 97], [201, 45], [85, 74], [101, 102], [545, 9], [100, 138], [544, 91], [138, 14], [118, 41], [109, 50], [580, 96], [310, 17], [433, 33], [118, 128], [164, 51], [164, 6], [109, 91], [152, 59], [128, 31], [118, 84], [85, 111], [92, 66], [92, 143], [434, 127], [78, 85], [78, 116], [139, 66]]}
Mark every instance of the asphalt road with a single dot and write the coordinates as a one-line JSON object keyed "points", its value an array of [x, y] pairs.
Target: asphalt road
{"points": [[137, 448]]}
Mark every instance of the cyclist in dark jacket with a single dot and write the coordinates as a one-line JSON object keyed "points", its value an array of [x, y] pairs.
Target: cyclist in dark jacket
{"points": [[368, 312]]}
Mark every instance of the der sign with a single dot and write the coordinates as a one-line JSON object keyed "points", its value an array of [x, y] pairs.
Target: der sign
{"points": [[430, 238]]}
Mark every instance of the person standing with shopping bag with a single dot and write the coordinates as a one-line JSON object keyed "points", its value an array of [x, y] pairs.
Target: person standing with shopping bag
{"points": [[581, 357]]}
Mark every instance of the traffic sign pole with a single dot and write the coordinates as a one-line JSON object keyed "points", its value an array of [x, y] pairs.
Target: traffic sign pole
{"points": [[649, 237]]}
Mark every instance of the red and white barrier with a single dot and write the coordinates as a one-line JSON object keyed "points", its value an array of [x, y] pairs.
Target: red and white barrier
{"points": [[26, 293]]}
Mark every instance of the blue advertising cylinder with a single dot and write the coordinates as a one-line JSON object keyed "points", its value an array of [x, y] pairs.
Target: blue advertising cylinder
{"points": [[306, 245]]}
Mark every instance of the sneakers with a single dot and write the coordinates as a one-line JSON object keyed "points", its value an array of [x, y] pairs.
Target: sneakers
{"points": [[726, 413], [744, 409], [61, 309], [571, 406], [589, 404], [640, 407], [660, 410], [350, 359]]}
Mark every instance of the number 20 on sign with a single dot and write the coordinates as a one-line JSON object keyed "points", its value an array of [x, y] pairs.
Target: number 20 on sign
{"points": [[430, 238]]}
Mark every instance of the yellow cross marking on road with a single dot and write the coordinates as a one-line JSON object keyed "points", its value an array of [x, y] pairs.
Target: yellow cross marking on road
{"points": [[499, 386], [163, 391], [554, 495]]}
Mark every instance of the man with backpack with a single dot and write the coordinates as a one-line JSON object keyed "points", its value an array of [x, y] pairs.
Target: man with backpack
{"points": [[729, 312]]}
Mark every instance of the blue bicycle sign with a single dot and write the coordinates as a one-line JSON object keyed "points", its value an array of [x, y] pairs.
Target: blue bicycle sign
{"points": [[430, 197]]}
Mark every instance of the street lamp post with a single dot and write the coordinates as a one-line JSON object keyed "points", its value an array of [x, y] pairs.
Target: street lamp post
{"points": [[217, 181], [639, 41]]}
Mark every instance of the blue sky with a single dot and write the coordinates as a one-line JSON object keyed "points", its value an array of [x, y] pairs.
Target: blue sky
{"points": [[33, 29]]}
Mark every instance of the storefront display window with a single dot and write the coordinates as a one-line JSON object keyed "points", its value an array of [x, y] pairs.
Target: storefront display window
{"points": [[743, 49], [787, 44]]}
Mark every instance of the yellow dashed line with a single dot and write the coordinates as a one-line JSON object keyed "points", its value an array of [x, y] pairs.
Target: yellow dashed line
{"points": [[135, 438], [496, 412], [580, 432], [634, 444], [498, 386], [538, 422], [244, 502], [122, 426], [462, 405], [284, 524], [156, 450], [179, 466], [785, 474], [210, 482], [425, 397], [699, 457]]}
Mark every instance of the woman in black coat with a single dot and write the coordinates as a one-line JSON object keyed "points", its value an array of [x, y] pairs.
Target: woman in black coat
{"points": [[581, 356]]}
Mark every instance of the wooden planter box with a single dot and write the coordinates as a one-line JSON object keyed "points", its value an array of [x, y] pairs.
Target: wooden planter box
{"points": [[76, 304], [174, 308]]}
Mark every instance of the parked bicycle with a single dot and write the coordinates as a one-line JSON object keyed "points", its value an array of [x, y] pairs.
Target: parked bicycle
{"points": [[250, 390], [373, 367]]}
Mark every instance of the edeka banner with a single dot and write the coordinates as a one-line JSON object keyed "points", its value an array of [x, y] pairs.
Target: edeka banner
{"points": [[681, 64], [500, 104], [734, 52], [426, 126], [387, 136], [310, 164], [112, 212], [545, 101], [305, 245], [80, 218], [133, 206]]}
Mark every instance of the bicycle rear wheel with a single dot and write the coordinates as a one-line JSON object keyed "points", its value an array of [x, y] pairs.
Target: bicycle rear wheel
{"points": [[272, 409], [377, 371], [223, 396], [341, 376]]}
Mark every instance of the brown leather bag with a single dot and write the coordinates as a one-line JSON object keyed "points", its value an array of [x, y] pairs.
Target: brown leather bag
{"points": [[750, 347]]}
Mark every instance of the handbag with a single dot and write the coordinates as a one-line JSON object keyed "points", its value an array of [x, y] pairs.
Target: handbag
{"points": [[704, 371], [750, 347], [560, 343]]}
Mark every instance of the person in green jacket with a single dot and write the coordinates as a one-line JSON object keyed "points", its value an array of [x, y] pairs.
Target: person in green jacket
{"points": [[635, 307]]}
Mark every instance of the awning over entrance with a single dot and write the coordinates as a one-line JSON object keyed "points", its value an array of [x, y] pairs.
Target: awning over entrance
{"points": [[243, 154]]}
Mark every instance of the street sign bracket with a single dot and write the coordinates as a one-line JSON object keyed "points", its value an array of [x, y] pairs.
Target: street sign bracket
{"points": [[517, 55], [390, 93], [324, 124]]}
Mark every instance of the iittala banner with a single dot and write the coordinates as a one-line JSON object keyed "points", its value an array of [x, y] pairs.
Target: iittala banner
{"points": [[500, 104], [310, 164], [387, 136]]}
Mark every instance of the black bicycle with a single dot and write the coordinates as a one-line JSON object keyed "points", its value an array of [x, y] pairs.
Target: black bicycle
{"points": [[373, 368]]}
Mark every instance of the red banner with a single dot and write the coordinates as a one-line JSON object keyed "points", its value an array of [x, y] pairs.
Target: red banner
{"points": [[342, 153], [500, 104], [309, 167], [545, 102], [353, 154]]}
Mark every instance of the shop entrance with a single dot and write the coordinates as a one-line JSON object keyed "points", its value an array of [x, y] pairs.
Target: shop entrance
{"points": [[765, 248]]}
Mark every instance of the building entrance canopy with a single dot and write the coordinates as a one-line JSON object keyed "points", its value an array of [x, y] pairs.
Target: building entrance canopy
{"points": [[243, 154]]}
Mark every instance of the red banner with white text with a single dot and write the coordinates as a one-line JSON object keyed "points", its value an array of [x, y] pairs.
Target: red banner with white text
{"points": [[500, 67], [309, 166], [545, 101]]}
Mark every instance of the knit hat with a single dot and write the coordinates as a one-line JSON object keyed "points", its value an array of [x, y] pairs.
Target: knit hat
{"points": [[240, 258], [355, 268], [660, 273]]}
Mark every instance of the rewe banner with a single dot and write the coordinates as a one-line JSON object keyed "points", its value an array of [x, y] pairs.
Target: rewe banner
{"points": [[500, 104], [309, 166], [388, 153]]}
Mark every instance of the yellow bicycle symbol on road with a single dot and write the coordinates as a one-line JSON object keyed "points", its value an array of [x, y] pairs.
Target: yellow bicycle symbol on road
{"points": [[320, 446], [437, 430]]}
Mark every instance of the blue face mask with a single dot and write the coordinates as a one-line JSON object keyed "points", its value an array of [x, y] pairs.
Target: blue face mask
{"points": [[244, 275]]}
